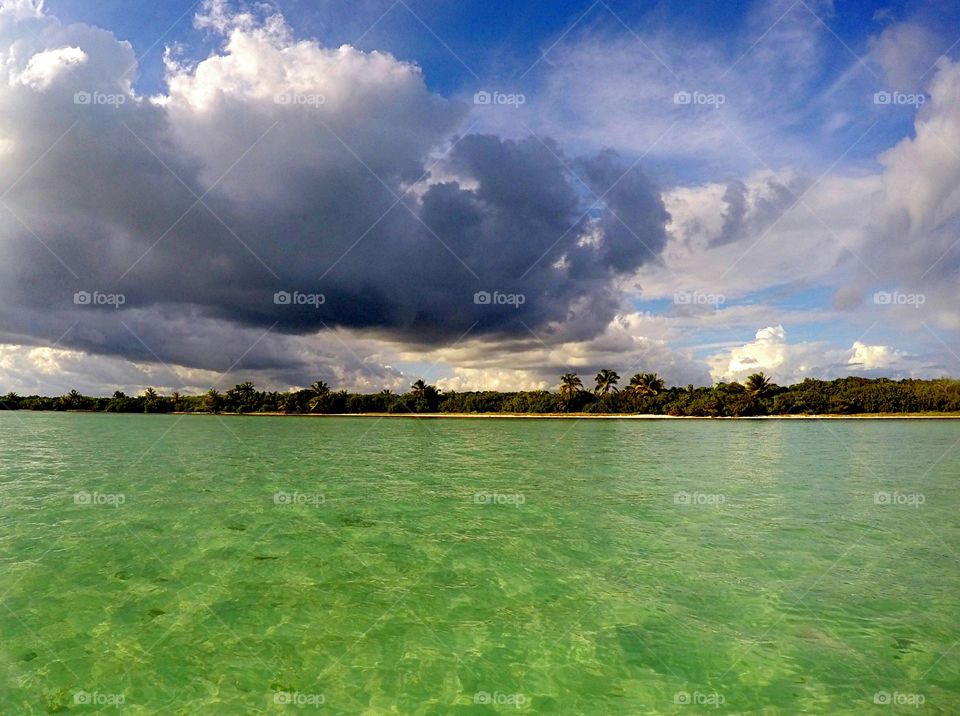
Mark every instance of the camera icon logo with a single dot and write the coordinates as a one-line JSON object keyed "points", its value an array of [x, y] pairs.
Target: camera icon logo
{"points": [[681, 297], [283, 697], [282, 298], [282, 498], [82, 698], [882, 498], [82, 98], [82, 498], [681, 498], [882, 697], [481, 97], [82, 298], [882, 298], [282, 98], [482, 697], [882, 97], [681, 697], [682, 97], [482, 298]]}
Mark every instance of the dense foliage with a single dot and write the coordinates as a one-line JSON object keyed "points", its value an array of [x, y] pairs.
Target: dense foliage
{"points": [[644, 394]]}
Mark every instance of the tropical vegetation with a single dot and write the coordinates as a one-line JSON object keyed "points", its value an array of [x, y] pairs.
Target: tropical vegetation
{"points": [[644, 394]]}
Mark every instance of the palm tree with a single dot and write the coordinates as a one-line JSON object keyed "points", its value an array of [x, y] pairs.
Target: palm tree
{"points": [[758, 384], [213, 401], [419, 389], [320, 391], [149, 394], [644, 384], [606, 380], [570, 384], [72, 400]]}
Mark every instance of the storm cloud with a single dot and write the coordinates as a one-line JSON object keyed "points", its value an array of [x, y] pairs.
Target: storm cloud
{"points": [[286, 186]]}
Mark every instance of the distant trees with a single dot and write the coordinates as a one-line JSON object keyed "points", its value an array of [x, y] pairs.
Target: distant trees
{"points": [[426, 398], [320, 392], [74, 400], [213, 401], [154, 403], [242, 398], [645, 393]]}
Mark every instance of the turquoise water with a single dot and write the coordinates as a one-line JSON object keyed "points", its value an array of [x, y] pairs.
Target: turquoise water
{"points": [[205, 565]]}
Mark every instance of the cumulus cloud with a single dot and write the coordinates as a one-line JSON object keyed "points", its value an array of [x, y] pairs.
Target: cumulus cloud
{"points": [[767, 230], [911, 235], [277, 164], [787, 363]]}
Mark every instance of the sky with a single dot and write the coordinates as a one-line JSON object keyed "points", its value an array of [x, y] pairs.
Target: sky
{"points": [[486, 196]]}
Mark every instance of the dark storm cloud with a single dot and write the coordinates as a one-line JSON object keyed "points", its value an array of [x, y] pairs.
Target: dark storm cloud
{"points": [[199, 209]]}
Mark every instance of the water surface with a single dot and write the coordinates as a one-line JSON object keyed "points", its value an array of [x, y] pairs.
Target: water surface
{"points": [[196, 564]]}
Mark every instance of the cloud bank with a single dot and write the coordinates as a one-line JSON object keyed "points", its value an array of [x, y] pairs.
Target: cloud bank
{"points": [[278, 165]]}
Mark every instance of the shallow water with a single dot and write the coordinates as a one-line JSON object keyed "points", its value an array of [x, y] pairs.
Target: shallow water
{"points": [[429, 566]]}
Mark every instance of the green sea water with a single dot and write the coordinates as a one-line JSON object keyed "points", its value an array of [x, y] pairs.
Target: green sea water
{"points": [[207, 565]]}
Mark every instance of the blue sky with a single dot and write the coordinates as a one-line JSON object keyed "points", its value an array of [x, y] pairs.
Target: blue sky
{"points": [[795, 197], [466, 46]]}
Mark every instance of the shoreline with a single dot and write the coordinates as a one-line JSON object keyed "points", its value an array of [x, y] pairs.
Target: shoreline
{"points": [[585, 416], [530, 416]]}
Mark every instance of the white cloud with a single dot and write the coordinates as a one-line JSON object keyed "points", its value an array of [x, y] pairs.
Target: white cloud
{"points": [[787, 363], [874, 357], [770, 229], [45, 67]]}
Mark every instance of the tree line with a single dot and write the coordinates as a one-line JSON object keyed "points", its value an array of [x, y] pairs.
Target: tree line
{"points": [[645, 393]]}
